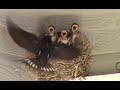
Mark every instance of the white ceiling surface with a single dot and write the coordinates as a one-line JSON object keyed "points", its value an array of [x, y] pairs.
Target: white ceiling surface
{"points": [[102, 26]]}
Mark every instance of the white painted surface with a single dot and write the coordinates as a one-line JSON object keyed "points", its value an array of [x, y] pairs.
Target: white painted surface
{"points": [[12, 70], [107, 77]]}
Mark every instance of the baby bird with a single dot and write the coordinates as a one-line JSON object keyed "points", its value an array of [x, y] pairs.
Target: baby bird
{"points": [[71, 37], [52, 33], [75, 33], [64, 38]]}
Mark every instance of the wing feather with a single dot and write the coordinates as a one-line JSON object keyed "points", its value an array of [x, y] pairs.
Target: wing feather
{"points": [[21, 37]]}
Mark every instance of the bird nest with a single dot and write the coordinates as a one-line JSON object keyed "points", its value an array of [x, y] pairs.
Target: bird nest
{"points": [[68, 69]]}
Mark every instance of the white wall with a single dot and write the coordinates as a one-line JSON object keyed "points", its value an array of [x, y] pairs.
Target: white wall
{"points": [[101, 26]]}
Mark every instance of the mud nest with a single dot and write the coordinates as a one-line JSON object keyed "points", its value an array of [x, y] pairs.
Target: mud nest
{"points": [[66, 70]]}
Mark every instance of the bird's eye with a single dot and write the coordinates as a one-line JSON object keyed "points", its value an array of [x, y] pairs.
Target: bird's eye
{"points": [[51, 28], [64, 33], [75, 27]]}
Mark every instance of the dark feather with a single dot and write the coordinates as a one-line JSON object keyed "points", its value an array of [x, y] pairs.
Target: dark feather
{"points": [[23, 38]]}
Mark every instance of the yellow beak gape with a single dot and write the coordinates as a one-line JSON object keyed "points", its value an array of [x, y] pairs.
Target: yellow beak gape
{"points": [[74, 27], [51, 29], [64, 33]]}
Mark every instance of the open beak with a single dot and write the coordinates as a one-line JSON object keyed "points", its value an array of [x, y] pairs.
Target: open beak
{"points": [[64, 39], [52, 34]]}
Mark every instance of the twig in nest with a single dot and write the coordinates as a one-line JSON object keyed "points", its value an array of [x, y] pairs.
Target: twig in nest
{"points": [[30, 55], [81, 69], [74, 74]]}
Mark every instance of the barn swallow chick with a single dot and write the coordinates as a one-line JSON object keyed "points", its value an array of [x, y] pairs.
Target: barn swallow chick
{"points": [[52, 33], [75, 32], [64, 38]]}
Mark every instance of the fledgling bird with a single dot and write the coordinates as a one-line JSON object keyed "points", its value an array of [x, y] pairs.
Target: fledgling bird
{"points": [[64, 38], [75, 33], [52, 33], [70, 37]]}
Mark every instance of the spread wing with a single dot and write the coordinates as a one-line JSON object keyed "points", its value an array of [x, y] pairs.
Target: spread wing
{"points": [[23, 38]]}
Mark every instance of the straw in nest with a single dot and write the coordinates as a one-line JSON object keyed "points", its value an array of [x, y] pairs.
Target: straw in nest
{"points": [[68, 69]]}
